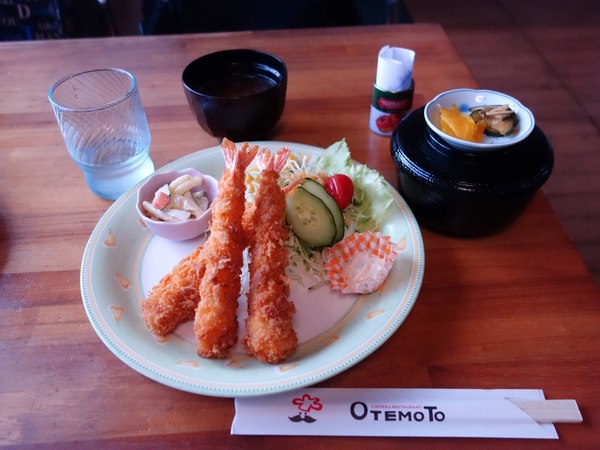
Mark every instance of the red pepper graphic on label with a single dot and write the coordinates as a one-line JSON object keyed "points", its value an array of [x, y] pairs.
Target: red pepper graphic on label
{"points": [[387, 122], [305, 404]]}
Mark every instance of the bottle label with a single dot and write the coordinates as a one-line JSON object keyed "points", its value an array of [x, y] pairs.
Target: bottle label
{"points": [[389, 108]]}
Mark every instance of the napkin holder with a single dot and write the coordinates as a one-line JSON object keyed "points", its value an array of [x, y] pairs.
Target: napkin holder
{"points": [[388, 108], [393, 89]]}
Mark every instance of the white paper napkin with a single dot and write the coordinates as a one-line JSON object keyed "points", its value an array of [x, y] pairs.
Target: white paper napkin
{"points": [[394, 68], [391, 412]]}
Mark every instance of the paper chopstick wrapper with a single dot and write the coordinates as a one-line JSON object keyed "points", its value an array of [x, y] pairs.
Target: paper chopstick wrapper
{"points": [[403, 412], [393, 89]]}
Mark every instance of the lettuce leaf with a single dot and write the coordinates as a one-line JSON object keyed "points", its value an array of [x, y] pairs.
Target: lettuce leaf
{"points": [[372, 196], [336, 158]]}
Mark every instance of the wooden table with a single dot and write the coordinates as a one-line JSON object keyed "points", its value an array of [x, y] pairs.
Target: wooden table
{"points": [[515, 310]]}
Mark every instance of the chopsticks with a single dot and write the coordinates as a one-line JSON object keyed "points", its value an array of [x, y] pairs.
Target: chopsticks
{"points": [[550, 411]]}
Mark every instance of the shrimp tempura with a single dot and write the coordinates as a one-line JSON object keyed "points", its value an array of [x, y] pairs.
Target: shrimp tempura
{"points": [[174, 299], [215, 322], [270, 335]]}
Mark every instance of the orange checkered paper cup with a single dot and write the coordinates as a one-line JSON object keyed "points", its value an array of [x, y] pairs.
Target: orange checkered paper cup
{"points": [[360, 263]]}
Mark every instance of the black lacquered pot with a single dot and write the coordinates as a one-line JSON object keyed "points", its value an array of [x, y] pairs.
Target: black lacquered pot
{"points": [[467, 193]]}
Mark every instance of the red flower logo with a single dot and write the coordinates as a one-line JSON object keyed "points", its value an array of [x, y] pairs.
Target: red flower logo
{"points": [[305, 404]]}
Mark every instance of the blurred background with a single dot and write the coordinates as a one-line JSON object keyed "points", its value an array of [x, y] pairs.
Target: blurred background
{"points": [[544, 52], [55, 19]]}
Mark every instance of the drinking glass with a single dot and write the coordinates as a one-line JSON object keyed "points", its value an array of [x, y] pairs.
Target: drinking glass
{"points": [[104, 127]]}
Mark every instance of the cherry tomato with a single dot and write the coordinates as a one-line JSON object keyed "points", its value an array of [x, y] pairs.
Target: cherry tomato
{"points": [[341, 188]]}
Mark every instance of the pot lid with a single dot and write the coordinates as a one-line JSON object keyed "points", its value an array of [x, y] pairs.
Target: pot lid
{"points": [[421, 152]]}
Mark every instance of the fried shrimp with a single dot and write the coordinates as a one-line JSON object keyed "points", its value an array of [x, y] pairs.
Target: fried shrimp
{"points": [[175, 298], [215, 321], [270, 335]]}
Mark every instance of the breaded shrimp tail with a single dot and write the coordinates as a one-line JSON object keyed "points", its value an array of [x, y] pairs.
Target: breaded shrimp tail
{"points": [[215, 322], [175, 298], [270, 335]]}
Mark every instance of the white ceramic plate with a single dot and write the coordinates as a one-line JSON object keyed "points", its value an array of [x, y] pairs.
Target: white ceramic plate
{"points": [[465, 99], [123, 260]]}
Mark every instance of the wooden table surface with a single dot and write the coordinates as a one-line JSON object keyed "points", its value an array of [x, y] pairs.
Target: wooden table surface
{"points": [[514, 310]]}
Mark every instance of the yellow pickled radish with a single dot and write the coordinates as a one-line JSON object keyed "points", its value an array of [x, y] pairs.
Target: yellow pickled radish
{"points": [[461, 126]]}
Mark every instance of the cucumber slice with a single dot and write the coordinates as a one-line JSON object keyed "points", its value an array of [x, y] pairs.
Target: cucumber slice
{"points": [[319, 191], [310, 219]]}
